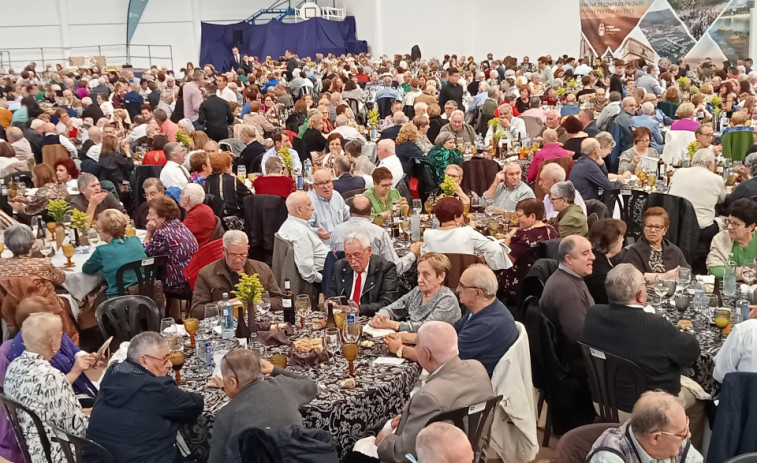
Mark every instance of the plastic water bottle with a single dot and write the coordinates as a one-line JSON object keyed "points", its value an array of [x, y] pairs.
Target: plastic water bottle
{"points": [[308, 168], [729, 277], [723, 121], [415, 225], [228, 322], [742, 309]]}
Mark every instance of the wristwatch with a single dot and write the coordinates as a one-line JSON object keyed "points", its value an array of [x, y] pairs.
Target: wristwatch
{"points": [[399, 351]]}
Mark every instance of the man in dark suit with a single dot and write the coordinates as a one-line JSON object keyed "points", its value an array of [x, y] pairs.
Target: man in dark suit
{"points": [[370, 281], [36, 139], [235, 61], [398, 119], [91, 110], [215, 115], [292, 63], [252, 154], [345, 180]]}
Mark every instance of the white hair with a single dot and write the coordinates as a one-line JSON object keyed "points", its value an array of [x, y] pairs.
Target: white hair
{"points": [[194, 193], [358, 238], [234, 237]]}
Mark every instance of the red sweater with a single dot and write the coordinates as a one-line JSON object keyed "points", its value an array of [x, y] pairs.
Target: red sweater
{"points": [[201, 222], [149, 158], [274, 185]]}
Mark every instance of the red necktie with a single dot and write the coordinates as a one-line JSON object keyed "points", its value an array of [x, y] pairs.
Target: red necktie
{"points": [[358, 283]]}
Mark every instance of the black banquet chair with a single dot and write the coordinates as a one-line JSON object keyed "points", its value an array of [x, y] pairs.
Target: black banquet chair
{"points": [[124, 317], [78, 449], [12, 409], [473, 420]]}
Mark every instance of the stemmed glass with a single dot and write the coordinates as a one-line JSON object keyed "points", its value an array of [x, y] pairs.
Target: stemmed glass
{"points": [[241, 173], [47, 248], [350, 346], [67, 217], [177, 361], [265, 302], [722, 319], [93, 237], [212, 318], [302, 304], [68, 251], [191, 325], [660, 289]]}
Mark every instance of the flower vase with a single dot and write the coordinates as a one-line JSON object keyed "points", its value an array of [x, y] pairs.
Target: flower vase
{"points": [[60, 235], [252, 322], [374, 133]]}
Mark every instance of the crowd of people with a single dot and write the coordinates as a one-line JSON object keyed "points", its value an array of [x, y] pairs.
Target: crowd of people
{"points": [[302, 128]]}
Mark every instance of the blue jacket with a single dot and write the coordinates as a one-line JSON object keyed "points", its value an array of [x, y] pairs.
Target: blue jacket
{"points": [[654, 126], [588, 177], [133, 103], [348, 182], [486, 336], [137, 415], [736, 418]]}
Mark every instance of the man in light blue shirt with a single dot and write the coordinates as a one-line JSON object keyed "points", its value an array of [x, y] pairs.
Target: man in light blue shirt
{"points": [[387, 91], [508, 188], [281, 140], [329, 207], [646, 119]]}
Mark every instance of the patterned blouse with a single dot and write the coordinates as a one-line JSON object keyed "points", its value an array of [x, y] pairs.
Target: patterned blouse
{"points": [[35, 383], [173, 240], [656, 262], [522, 242], [43, 195], [442, 306]]}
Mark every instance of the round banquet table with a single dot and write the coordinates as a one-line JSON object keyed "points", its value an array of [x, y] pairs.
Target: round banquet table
{"points": [[347, 414]]}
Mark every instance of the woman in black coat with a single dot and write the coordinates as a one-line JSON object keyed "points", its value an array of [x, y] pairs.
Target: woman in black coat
{"points": [[313, 137], [606, 237], [225, 186]]}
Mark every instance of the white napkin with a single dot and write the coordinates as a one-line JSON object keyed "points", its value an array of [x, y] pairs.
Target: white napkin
{"points": [[389, 361], [707, 279], [217, 357], [376, 333], [119, 355], [177, 329]]}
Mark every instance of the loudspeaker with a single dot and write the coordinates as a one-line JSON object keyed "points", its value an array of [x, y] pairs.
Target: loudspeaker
{"points": [[236, 37]]}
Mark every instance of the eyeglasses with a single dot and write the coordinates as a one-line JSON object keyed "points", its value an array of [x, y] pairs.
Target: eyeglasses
{"points": [[732, 224], [654, 227], [322, 184], [238, 255], [356, 255], [683, 435], [165, 359], [460, 284]]}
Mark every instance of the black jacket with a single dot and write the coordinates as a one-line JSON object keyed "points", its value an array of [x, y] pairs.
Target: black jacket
{"points": [[250, 157], [314, 140], [435, 125], [596, 281], [294, 121], [406, 152], [451, 92], [348, 182], [231, 190], [116, 167], [736, 419], [638, 255], [380, 287], [390, 132], [136, 415], [93, 111], [215, 115], [35, 141]]}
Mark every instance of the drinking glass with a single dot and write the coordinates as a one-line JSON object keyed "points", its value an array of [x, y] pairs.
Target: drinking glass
{"points": [[212, 318], [429, 205], [651, 180], [352, 332], [168, 324], [47, 248], [405, 224], [22, 189], [723, 320], [68, 251], [93, 237], [350, 350], [67, 217], [265, 302], [177, 361], [191, 325], [682, 301], [241, 172], [489, 210], [417, 206], [331, 339], [660, 289], [302, 305]]}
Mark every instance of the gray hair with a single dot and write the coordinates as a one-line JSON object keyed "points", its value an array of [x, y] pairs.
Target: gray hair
{"points": [[341, 120], [484, 87], [647, 108], [589, 146], [622, 283], [566, 247], [19, 239], [141, 344], [535, 102], [491, 92], [483, 278], [38, 329], [85, 179], [704, 157], [751, 163], [650, 413], [605, 140], [564, 189], [359, 238], [234, 237], [554, 170], [169, 149], [434, 440], [420, 105], [443, 138], [194, 193]]}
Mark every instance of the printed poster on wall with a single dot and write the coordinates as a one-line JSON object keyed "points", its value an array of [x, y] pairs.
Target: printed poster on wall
{"points": [[654, 29]]}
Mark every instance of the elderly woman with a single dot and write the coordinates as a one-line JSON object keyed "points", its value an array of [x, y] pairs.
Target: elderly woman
{"points": [[67, 173], [168, 236], [199, 167], [274, 182], [422, 124], [156, 156], [225, 185], [738, 240], [531, 230], [685, 118], [9, 163], [116, 166], [606, 237], [407, 150], [452, 237], [33, 382], [653, 254], [117, 251], [335, 143], [47, 188], [22, 276], [574, 129], [313, 137], [383, 194], [571, 219], [428, 301], [631, 157], [444, 153], [258, 120]]}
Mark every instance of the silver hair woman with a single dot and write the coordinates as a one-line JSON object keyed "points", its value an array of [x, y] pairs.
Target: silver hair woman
{"points": [[571, 219]]}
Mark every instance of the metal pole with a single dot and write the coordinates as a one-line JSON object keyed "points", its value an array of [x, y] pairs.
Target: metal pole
{"points": [[170, 51], [149, 56], [42, 53], [128, 54]]}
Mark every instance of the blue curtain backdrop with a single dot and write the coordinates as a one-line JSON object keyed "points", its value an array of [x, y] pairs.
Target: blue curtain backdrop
{"points": [[307, 38]]}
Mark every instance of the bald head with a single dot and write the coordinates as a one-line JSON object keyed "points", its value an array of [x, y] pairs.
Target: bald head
{"points": [[95, 134], [443, 443], [321, 175], [299, 205], [385, 148], [14, 134], [436, 344], [49, 127], [360, 207], [550, 136]]}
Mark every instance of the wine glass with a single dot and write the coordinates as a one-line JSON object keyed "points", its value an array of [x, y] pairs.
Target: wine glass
{"points": [[682, 301], [67, 217], [302, 305], [723, 320], [93, 237], [489, 210], [68, 251], [47, 248], [168, 324], [265, 302], [212, 318], [660, 289], [417, 206], [241, 172], [21, 189], [191, 325], [429, 206], [350, 350], [177, 361], [651, 180]]}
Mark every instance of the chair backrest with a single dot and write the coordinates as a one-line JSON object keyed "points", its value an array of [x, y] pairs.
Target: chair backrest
{"points": [[285, 267], [611, 199], [575, 445], [208, 252], [745, 458], [595, 206], [328, 270], [12, 409], [51, 153], [124, 317], [668, 108], [77, 449], [24, 176], [385, 106], [534, 125], [473, 420], [263, 216], [478, 174], [736, 143], [684, 227], [550, 247], [145, 270], [352, 193], [215, 203], [256, 446], [458, 264], [603, 368], [634, 204], [218, 230]]}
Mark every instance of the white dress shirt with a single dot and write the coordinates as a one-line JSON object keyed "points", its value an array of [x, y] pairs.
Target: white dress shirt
{"points": [[395, 166], [363, 276], [466, 240], [174, 174], [348, 133], [517, 127], [137, 133], [705, 189], [738, 352], [328, 213], [227, 94], [296, 163], [309, 250]]}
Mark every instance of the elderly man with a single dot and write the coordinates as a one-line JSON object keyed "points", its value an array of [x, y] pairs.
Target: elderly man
{"points": [[662, 351], [622, 131], [646, 119], [586, 117], [20, 144], [390, 133], [252, 154], [514, 127], [508, 189], [343, 128], [256, 402], [609, 112], [139, 409], [309, 250], [704, 135], [553, 121], [703, 188], [551, 174], [385, 150], [92, 199], [657, 431], [381, 244], [589, 173], [485, 334], [550, 150], [200, 219], [345, 181], [458, 128], [51, 137], [566, 298], [174, 173], [223, 275], [658, 116], [281, 140], [453, 383], [329, 208], [649, 81], [366, 279], [442, 442]]}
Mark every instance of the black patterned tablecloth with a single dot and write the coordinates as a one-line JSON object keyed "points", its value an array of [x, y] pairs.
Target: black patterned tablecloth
{"points": [[348, 414]]}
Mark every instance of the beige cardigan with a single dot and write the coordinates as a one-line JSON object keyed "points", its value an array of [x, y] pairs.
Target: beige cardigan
{"points": [[720, 248]]}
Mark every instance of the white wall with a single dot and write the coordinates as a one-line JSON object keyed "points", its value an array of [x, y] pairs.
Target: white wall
{"points": [[511, 27]]}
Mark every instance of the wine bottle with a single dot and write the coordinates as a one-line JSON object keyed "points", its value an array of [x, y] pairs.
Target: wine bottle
{"points": [[287, 302], [243, 331], [330, 320]]}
